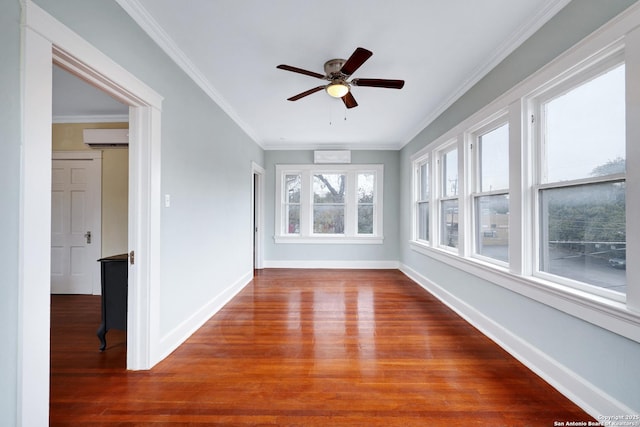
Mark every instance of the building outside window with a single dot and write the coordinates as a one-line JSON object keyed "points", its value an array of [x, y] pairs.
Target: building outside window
{"points": [[449, 187], [490, 147]]}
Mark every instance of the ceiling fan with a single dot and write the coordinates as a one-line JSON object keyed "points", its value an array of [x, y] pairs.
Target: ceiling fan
{"points": [[337, 72]]}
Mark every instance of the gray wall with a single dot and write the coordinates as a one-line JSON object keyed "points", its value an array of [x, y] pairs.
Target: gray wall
{"points": [[206, 165], [388, 251], [9, 213], [206, 168], [607, 360]]}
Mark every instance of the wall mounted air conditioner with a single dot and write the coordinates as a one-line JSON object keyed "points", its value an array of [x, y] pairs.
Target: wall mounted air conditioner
{"points": [[106, 138], [332, 156]]}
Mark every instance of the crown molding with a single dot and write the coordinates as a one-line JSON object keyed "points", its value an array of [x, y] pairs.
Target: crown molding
{"points": [[150, 26], [551, 8], [140, 15]]}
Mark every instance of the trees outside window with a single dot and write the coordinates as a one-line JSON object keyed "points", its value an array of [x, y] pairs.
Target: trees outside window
{"points": [[582, 188], [329, 203]]}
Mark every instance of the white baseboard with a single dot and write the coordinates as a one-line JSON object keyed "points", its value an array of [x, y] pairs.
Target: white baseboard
{"points": [[592, 399], [378, 265], [182, 332]]}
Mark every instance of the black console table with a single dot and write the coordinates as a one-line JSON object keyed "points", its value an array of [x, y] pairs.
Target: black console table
{"points": [[114, 274]]}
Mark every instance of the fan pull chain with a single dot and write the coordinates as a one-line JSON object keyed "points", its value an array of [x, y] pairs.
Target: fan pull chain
{"points": [[331, 115]]}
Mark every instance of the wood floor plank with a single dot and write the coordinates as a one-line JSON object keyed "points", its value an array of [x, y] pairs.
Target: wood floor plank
{"points": [[304, 348]]}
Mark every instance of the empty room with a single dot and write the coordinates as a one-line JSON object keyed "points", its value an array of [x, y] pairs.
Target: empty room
{"points": [[302, 213]]}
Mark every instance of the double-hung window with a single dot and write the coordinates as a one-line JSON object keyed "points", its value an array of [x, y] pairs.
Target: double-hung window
{"points": [[291, 203], [535, 192], [490, 148], [329, 203], [423, 194], [580, 189], [449, 188], [366, 201]]}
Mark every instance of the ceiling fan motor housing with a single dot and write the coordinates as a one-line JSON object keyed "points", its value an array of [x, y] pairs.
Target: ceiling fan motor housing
{"points": [[332, 68]]}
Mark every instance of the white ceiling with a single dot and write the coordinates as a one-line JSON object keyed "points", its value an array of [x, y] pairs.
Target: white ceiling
{"points": [[440, 48]]}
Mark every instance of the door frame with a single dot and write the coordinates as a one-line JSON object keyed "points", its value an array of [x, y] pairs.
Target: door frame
{"points": [[95, 250], [257, 209], [45, 41]]}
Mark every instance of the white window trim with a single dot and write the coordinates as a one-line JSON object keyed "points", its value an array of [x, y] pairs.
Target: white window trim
{"points": [[350, 235], [417, 163], [607, 59], [492, 123], [621, 317], [437, 189]]}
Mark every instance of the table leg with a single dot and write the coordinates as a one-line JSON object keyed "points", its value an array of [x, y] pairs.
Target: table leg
{"points": [[102, 332]]}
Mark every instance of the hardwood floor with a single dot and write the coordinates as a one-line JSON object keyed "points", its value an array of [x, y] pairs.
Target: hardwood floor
{"points": [[303, 348]]}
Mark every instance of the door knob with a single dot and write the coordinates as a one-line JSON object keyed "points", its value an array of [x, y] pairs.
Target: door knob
{"points": [[87, 236]]}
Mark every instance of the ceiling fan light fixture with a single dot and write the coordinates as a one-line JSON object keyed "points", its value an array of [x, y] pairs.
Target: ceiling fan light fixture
{"points": [[338, 73], [337, 89]]}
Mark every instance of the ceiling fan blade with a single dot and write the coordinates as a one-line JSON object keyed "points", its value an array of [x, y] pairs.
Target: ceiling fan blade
{"points": [[305, 93], [357, 58], [386, 83], [301, 71], [349, 100]]}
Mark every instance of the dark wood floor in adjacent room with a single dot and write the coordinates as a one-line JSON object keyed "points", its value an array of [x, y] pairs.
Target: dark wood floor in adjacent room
{"points": [[303, 348]]}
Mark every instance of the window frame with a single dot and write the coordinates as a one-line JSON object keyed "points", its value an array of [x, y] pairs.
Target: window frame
{"points": [[561, 85], [621, 316], [286, 203], [443, 197], [476, 192], [422, 160], [314, 204], [605, 61], [351, 234]]}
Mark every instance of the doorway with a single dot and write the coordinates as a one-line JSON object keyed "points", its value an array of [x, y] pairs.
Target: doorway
{"points": [[257, 206], [45, 40]]}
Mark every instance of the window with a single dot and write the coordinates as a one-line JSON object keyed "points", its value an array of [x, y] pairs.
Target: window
{"points": [[537, 199], [366, 202], [292, 186], [581, 190], [490, 146], [449, 184], [329, 203], [422, 199]]}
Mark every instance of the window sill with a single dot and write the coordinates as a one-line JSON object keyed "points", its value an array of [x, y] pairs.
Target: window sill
{"points": [[612, 315], [350, 240]]}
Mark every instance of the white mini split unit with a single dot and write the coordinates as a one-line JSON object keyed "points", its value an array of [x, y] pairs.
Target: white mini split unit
{"points": [[106, 138], [332, 156]]}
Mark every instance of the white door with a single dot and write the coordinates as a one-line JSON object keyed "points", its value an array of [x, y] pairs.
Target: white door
{"points": [[75, 226]]}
